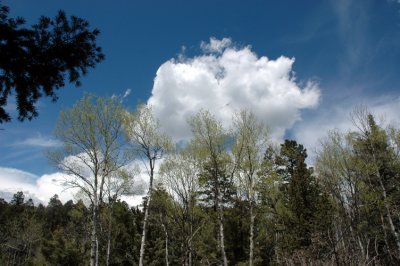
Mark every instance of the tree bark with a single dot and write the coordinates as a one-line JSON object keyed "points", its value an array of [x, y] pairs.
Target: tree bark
{"points": [[93, 248], [384, 195], [190, 243], [146, 217], [166, 245], [146, 212], [389, 216], [222, 237], [251, 234], [386, 239], [109, 235]]}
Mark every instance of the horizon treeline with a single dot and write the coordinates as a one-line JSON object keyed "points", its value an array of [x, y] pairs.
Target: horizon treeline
{"points": [[228, 197]]}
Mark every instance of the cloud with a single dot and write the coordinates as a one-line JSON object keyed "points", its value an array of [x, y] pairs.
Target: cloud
{"points": [[38, 141], [40, 189], [215, 45], [353, 22], [11, 176], [127, 93], [120, 97], [226, 80], [310, 132]]}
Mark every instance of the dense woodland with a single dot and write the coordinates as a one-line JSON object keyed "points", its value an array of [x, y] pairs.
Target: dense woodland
{"points": [[225, 197]]}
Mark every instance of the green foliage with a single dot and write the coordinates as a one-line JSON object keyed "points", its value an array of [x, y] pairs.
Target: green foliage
{"points": [[59, 234], [236, 228], [345, 213], [360, 170], [125, 234], [21, 232], [297, 208], [216, 183]]}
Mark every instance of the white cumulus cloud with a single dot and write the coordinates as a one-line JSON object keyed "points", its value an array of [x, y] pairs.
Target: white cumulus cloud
{"points": [[39, 188], [226, 79], [42, 188]]}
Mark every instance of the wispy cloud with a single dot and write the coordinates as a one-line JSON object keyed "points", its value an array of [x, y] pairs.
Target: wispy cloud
{"points": [[312, 130], [16, 175], [120, 97], [354, 29], [38, 141], [215, 45], [127, 93], [315, 25]]}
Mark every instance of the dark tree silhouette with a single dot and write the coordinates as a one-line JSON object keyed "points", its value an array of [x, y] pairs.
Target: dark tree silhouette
{"points": [[37, 61]]}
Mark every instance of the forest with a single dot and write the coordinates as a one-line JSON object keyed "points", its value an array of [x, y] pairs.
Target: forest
{"points": [[226, 196]]}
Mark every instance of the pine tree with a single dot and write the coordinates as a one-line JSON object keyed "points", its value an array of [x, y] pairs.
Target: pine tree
{"points": [[303, 199]]}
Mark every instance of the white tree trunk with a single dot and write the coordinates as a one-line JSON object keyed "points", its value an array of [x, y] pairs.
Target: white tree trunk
{"points": [[251, 252], [93, 248], [222, 237], [389, 216], [109, 236], [190, 243], [145, 219], [166, 245], [146, 213]]}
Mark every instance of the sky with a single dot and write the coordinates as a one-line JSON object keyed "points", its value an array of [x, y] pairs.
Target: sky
{"points": [[300, 66]]}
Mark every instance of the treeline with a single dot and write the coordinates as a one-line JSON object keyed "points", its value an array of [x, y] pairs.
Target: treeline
{"points": [[59, 234], [228, 197]]}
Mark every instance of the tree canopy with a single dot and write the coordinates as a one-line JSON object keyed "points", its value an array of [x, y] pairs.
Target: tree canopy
{"points": [[36, 61], [228, 197]]}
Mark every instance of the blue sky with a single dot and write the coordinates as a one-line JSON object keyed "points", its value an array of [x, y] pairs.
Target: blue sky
{"points": [[347, 50]]}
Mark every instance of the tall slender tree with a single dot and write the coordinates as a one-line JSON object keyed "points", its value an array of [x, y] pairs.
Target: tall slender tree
{"points": [[209, 139], [250, 141], [372, 148], [150, 144], [93, 145], [360, 170], [180, 175]]}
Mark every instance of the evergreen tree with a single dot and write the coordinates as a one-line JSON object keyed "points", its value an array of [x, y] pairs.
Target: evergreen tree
{"points": [[216, 174], [380, 167], [21, 234], [304, 200], [37, 61]]}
